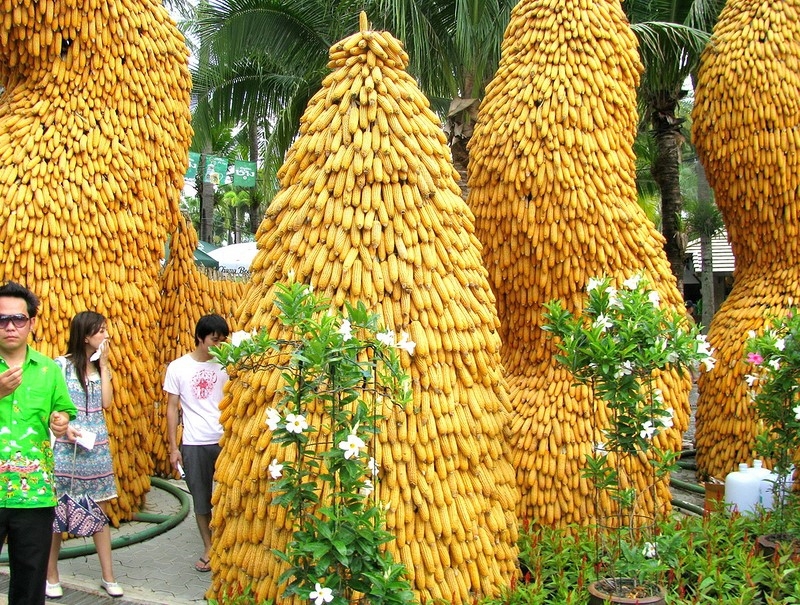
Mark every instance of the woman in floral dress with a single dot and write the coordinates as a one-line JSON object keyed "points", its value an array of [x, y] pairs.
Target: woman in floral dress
{"points": [[79, 470]]}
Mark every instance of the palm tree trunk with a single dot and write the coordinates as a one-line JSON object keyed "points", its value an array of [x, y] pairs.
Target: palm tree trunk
{"points": [[707, 293], [206, 200], [706, 282], [255, 217], [666, 173]]}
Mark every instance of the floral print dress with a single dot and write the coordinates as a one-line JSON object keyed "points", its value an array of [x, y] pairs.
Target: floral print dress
{"points": [[83, 471]]}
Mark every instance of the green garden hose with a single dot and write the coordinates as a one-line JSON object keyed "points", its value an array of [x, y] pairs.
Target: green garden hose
{"points": [[161, 524]]}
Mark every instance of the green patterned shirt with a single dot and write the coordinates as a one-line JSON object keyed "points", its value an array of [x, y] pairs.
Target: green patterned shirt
{"points": [[26, 460]]}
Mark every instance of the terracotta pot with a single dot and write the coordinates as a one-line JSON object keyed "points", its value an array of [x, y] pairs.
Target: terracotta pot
{"points": [[768, 544], [628, 592]]}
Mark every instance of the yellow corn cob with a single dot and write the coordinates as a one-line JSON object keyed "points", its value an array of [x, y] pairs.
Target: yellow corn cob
{"points": [[745, 125], [454, 405], [94, 129], [551, 181]]}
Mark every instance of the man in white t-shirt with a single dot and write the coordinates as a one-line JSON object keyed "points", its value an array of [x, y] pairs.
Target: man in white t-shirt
{"points": [[194, 384]]}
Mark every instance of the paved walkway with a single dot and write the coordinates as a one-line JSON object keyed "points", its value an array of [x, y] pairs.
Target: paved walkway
{"points": [[157, 571]]}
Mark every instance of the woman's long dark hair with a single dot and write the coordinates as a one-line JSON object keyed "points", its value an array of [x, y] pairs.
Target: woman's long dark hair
{"points": [[84, 325]]}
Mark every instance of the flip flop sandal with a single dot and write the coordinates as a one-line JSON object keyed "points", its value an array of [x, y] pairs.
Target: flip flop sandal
{"points": [[203, 565]]}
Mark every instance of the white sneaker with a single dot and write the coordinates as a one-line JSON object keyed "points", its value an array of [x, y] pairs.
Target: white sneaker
{"points": [[112, 588], [53, 591]]}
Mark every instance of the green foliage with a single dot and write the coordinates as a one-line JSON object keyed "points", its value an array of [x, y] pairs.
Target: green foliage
{"points": [[350, 369], [621, 339], [775, 389], [243, 597], [710, 559]]}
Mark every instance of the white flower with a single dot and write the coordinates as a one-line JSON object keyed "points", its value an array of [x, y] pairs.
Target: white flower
{"points": [[775, 364], [603, 322], [372, 466], [703, 346], [796, 411], [658, 396], [751, 379], [780, 344], [275, 469], [309, 289], [239, 337], [654, 298], [296, 423], [386, 338], [708, 363], [346, 330], [648, 430], [600, 448], [626, 369], [751, 334], [672, 357], [594, 283], [321, 594], [405, 344], [668, 421], [273, 418], [613, 299], [352, 446], [290, 276], [367, 489], [632, 282], [649, 550]]}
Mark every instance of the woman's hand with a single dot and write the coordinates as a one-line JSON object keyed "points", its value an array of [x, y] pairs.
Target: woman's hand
{"points": [[104, 351], [73, 433]]}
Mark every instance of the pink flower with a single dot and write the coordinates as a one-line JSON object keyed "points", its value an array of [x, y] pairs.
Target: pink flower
{"points": [[755, 358]]}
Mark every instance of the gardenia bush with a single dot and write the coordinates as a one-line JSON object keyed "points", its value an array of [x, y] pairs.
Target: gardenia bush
{"points": [[775, 391], [328, 478], [616, 346]]}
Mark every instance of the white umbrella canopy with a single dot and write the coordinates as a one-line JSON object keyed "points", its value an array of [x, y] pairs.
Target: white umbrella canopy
{"points": [[235, 258]]}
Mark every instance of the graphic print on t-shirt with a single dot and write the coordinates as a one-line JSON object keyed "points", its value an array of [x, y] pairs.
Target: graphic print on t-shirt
{"points": [[203, 383]]}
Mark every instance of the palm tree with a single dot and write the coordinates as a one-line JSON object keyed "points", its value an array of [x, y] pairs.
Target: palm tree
{"points": [[268, 57], [454, 48], [671, 34]]}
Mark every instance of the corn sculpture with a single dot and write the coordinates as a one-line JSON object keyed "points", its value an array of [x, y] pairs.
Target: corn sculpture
{"points": [[370, 210], [552, 187], [94, 130], [186, 295], [746, 126]]}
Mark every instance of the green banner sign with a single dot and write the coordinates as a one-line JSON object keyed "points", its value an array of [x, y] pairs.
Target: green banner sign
{"points": [[216, 170], [244, 174], [194, 162]]}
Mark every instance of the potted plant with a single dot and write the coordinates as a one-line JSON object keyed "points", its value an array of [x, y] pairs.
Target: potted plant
{"points": [[775, 390], [617, 346]]}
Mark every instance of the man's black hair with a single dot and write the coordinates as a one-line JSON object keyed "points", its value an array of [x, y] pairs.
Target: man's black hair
{"points": [[210, 324], [14, 290]]}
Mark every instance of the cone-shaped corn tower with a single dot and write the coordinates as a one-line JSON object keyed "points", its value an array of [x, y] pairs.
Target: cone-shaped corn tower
{"points": [[370, 210], [552, 187], [186, 295], [94, 130], [746, 126]]}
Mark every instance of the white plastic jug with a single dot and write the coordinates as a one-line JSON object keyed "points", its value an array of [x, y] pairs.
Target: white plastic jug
{"points": [[742, 489]]}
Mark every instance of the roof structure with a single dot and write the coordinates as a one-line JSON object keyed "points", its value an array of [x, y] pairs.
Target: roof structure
{"points": [[724, 260]]}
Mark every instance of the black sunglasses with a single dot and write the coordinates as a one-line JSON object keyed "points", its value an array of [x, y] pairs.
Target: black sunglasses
{"points": [[19, 321]]}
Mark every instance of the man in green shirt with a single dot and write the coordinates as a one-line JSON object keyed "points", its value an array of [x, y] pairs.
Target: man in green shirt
{"points": [[33, 398]]}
